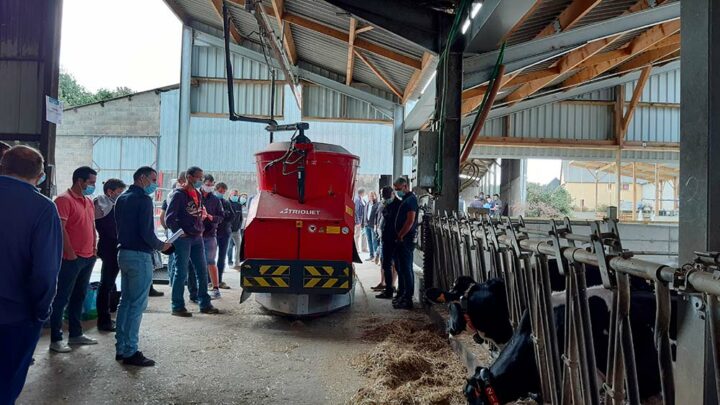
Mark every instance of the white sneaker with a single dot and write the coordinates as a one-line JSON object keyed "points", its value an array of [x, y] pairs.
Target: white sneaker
{"points": [[82, 340], [60, 347], [215, 294]]}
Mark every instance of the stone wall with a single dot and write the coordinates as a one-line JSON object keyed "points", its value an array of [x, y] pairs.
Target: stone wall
{"points": [[136, 115]]}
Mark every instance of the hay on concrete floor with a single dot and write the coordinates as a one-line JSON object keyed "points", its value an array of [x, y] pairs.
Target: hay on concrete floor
{"points": [[411, 364]]}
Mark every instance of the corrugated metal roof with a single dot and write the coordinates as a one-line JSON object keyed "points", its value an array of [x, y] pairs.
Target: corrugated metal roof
{"points": [[315, 47], [606, 10], [543, 16]]}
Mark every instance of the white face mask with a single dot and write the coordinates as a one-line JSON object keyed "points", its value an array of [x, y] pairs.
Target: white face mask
{"points": [[208, 189]]}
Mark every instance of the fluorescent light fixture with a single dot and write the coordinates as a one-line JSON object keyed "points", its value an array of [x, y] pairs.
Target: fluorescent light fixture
{"points": [[428, 83], [475, 9], [466, 25]]}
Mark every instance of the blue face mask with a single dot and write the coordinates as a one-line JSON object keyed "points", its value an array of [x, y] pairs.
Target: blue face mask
{"points": [[234, 198], [388, 201], [218, 195], [197, 184], [89, 190], [150, 188], [400, 193], [243, 200], [42, 179]]}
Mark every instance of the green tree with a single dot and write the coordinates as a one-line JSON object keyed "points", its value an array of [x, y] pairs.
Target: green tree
{"points": [[73, 93], [543, 202]]}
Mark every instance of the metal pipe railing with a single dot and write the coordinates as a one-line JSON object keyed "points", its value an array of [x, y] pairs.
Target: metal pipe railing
{"points": [[484, 247]]}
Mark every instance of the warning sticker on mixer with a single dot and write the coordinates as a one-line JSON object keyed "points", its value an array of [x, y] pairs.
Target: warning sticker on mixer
{"points": [[333, 229], [349, 210]]}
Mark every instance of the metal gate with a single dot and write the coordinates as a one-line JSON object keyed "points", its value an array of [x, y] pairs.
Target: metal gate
{"points": [[119, 156]]}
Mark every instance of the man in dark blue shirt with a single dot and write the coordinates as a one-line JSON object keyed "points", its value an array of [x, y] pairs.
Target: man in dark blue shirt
{"points": [[405, 225], [137, 243], [31, 243], [388, 239]]}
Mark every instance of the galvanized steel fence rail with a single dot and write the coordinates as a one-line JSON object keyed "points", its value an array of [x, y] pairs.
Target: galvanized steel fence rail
{"points": [[485, 248]]}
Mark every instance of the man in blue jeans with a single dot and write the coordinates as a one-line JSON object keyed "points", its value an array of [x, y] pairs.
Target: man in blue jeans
{"points": [[31, 250], [405, 224], [185, 211], [136, 245], [77, 213]]}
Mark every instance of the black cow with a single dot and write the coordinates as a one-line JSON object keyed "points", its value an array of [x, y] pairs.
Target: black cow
{"points": [[514, 373]]}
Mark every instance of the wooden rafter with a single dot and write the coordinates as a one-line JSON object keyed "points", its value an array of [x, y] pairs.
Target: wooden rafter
{"points": [[234, 33], [414, 82], [379, 74], [364, 29], [535, 81], [549, 142], [351, 52], [637, 92], [648, 58], [345, 37], [573, 13], [278, 7], [641, 43]]}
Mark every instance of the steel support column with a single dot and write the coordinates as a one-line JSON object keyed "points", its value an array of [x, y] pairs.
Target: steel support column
{"points": [[398, 140], [700, 184], [185, 78], [451, 85]]}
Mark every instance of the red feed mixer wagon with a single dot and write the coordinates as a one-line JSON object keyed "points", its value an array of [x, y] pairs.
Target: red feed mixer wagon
{"points": [[298, 246]]}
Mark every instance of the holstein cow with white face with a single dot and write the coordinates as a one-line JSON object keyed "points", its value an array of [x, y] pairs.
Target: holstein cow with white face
{"points": [[482, 308]]}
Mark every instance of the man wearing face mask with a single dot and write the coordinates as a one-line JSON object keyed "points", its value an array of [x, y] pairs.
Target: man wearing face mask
{"points": [[223, 231], [213, 215], [137, 243], [236, 203], [388, 239], [107, 249], [406, 227], [31, 251], [185, 211], [77, 213]]}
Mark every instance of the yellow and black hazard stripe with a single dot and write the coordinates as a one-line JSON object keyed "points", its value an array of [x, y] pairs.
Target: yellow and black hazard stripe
{"points": [[267, 276], [326, 282], [326, 277], [326, 271], [267, 282]]}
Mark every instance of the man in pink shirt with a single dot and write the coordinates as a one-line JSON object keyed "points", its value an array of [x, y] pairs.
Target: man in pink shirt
{"points": [[77, 214]]}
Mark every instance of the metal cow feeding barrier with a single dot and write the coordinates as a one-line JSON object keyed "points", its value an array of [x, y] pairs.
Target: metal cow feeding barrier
{"points": [[485, 248]]}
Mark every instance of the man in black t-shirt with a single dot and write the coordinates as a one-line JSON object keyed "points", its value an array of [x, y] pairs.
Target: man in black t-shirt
{"points": [[388, 238], [406, 227]]}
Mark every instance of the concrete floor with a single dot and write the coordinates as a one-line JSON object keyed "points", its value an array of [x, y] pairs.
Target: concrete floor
{"points": [[242, 356]]}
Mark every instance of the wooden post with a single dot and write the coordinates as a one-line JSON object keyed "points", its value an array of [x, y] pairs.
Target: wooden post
{"points": [[676, 194], [634, 207]]}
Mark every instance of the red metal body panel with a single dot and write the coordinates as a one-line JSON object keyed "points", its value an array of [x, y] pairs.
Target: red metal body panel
{"points": [[321, 228]]}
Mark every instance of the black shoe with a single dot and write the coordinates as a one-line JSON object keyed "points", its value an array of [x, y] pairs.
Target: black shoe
{"points": [[385, 295], [106, 326], [119, 357], [155, 293], [210, 310], [139, 360], [396, 299], [183, 313], [405, 304]]}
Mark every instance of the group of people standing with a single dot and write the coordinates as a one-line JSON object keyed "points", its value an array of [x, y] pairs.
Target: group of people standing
{"points": [[52, 246], [389, 228], [492, 203]]}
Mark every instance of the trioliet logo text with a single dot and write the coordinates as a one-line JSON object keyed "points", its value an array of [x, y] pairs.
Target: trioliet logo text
{"points": [[291, 211]]}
